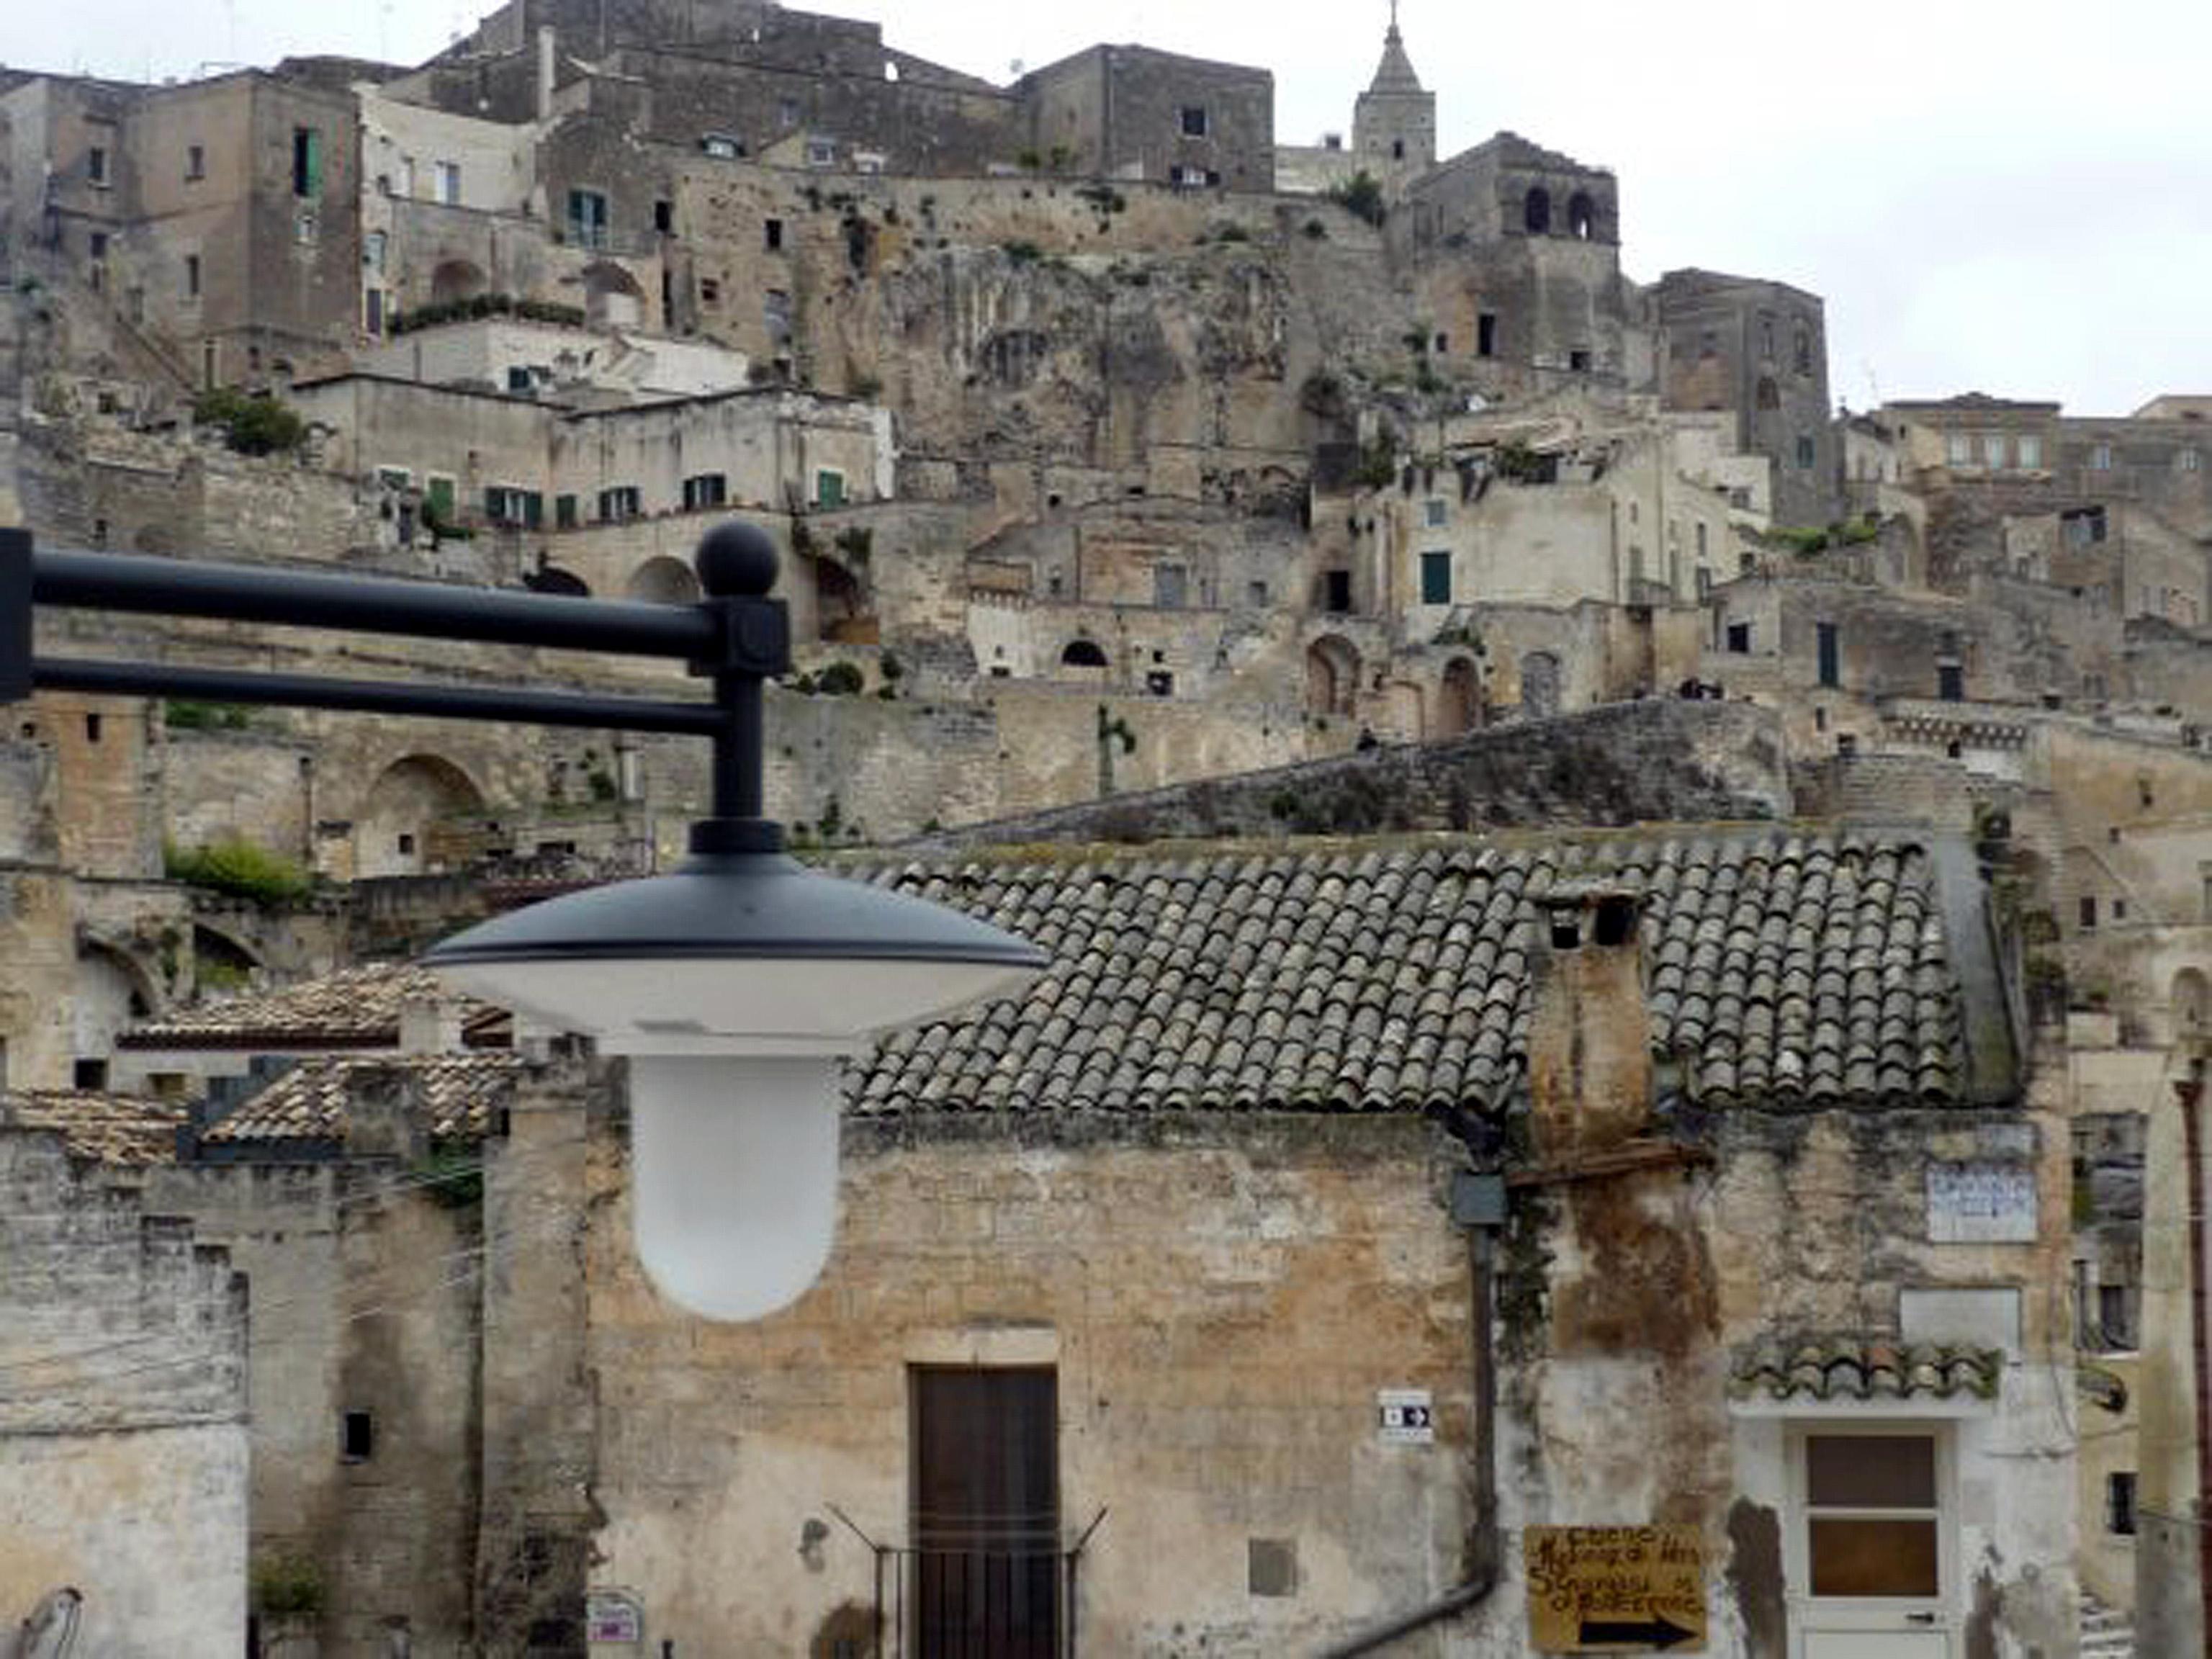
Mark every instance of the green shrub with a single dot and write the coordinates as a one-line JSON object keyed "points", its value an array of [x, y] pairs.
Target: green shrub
{"points": [[180, 714], [285, 1583], [840, 679], [1361, 196], [251, 424], [240, 869], [1024, 252]]}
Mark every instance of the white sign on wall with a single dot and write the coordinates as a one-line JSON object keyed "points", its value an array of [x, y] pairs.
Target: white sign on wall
{"points": [[1404, 1416], [611, 1615], [1981, 1204]]}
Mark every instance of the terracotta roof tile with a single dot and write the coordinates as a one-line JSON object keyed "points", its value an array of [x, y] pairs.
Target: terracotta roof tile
{"points": [[1396, 977], [308, 1102], [358, 1008], [1865, 1368], [122, 1129]]}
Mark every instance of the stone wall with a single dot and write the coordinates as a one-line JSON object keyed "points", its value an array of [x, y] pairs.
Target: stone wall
{"points": [[123, 1401], [1630, 763]]}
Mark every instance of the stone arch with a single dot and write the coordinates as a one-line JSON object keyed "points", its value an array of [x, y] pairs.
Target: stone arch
{"points": [[1539, 685], [2190, 1003], [1536, 211], [1332, 675], [662, 580], [612, 298], [220, 961], [111, 993], [403, 827], [1082, 653], [456, 280], [1581, 216], [1459, 698]]}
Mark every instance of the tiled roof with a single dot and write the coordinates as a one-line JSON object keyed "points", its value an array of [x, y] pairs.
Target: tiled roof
{"points": [[357, 1008], [1785, 968], [1866, 1368], [125, 1129], [308, 1102]]}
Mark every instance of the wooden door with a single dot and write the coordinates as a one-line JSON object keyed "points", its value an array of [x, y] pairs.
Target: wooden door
{"points": [[985, 1513]]}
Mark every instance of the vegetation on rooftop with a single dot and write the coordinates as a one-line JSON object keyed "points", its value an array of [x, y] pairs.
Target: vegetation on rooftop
{"points": [[253, 423], [238, 869]]}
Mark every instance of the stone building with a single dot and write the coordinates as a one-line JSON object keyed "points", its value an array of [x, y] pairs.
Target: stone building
{"points": [[1525, 1115], [124, 1425], [1758, 350]]}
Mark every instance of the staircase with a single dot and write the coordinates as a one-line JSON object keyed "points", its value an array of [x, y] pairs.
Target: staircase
{"points": [[2106, 1632]]}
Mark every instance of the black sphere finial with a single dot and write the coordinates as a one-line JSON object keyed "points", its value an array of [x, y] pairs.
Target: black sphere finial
{"points": [[737, 560]]}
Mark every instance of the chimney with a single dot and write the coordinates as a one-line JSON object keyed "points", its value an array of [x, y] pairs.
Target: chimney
{"points": [[1589, 1035], [430, 1025]]}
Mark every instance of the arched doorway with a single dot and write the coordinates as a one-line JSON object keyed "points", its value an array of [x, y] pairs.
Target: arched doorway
{"points": [[1332, 676], [456, 280], [663, 580], [2190, 1003], [111, 993], [1459, 698], [409, 805], [1082, 654], [1536, 211]]}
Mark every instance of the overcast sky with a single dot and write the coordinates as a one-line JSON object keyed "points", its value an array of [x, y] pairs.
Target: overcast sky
{"points": [[2014, 199]]}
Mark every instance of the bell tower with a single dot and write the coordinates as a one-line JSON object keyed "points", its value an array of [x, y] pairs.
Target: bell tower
{"points": [[1393, 122]]}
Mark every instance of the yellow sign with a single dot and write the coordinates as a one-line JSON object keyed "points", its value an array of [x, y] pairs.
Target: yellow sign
{"points": [[1615, 1590]]}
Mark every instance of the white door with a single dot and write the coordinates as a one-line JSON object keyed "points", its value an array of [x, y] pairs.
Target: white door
{"points": [[1872, 1547]]}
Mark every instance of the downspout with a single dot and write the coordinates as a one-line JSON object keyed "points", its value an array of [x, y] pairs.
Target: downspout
{"points": [[1478, 1204], [2189, 1092]]}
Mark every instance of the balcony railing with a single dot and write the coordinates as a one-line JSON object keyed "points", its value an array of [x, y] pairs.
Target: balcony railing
{"points": [[976, 1593]]}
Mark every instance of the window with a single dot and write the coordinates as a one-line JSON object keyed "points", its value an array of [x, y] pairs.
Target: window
{"points": [[564, 511], [828, 487], [663, 217], [1766, 338], [1336, 592], [1485, 335], [1806, 452], [1804, 355], [2029, 448], [1433, 511], [2083, 526], [705, 490], [1873, 1516], [587, 218], [772, 235], [1831, 663], [1701, 542], [1170, 587], [95, 244], [1578, 361], [2120, 1502], [445, 183], [520, 378], [96, 164], [722, 147], [1739, 639], [356, 1437], [372, 251], [986, 1490], [2100, 457], [2085, 912], [1951, 682], [821, 153], [1536, 211], [1993, 451], [618, 503], [508, 505], [710, 291], [307, 163], [1435, 578], [394, 477], [1958, 449], [195, 163], [192, 276], [305, 228], [88, 1074], [1194, 125], [786, 115], [1190, 178], [2188, 460]]}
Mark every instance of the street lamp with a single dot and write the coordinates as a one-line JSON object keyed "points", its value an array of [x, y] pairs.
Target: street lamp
{"points": [[735, 985]]}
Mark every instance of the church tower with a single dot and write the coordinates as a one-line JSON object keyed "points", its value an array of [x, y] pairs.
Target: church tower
{"points": [[1394, 124]]}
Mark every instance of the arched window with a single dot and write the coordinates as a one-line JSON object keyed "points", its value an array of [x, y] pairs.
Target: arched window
{"points": [[663, 580], [1332, 675], [1581, 216], [1536, 210], [1082, 653], [454, 280], [1459, 698]]}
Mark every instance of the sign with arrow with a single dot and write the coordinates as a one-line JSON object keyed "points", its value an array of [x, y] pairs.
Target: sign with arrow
{"points": [[1615, 1590]]}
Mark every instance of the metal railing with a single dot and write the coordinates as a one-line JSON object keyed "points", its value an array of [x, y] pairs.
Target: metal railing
{"points": [[976, 1593]]}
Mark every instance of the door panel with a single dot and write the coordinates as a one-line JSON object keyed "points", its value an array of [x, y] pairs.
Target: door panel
{"points": [[985, 1513]]}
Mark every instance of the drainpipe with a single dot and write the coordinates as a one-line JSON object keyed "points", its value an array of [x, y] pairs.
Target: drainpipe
{"points": [[2190, 1092], [1477, 1204]]}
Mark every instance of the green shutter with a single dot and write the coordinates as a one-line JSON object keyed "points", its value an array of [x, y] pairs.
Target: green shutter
{"points": [[441, 499], [533, 509], [1436, 578]]}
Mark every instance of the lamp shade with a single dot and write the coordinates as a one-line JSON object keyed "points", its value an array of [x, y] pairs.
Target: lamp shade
{"points": [[734, 983], [747, 952]]}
